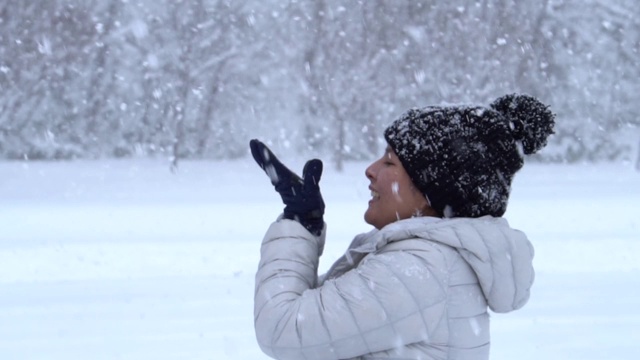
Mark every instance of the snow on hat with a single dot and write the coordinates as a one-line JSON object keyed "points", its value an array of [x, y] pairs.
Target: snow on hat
{"points": [[463, 158]]}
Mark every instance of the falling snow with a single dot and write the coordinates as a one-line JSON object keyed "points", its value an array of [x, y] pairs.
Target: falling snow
{"points": [[160, 265]]}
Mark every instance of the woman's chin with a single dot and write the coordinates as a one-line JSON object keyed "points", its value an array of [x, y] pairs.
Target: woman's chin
{"points": [[367, 217], [370, 219]]}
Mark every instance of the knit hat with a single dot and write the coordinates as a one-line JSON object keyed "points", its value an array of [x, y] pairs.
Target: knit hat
{"points": [[463, 158]]}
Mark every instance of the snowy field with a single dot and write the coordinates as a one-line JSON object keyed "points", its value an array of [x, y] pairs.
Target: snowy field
{"points": [[124, 260]]}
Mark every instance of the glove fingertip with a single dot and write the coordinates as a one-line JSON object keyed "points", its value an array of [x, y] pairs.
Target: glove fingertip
{"points": [[255, 146], [262, 155], [313, 170]]}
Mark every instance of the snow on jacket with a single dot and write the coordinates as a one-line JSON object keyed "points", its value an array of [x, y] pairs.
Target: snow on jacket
{"points": [[416, 289]]}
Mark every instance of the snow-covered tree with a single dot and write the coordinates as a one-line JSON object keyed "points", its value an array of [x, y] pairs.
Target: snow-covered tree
{"points": [[105, 78]]}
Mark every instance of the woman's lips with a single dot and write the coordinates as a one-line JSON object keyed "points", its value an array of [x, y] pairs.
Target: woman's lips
{"points": [[374, 195]]}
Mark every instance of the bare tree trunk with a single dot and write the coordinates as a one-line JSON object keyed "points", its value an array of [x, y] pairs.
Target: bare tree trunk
{"points": [[177, 141], [539, 52], [95, 95], [340, 142], [180, 109], [184, 80], [638, 157], [313, 99]]}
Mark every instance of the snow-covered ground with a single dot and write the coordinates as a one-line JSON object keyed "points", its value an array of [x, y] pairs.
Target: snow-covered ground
{"points": [[124, 260]]}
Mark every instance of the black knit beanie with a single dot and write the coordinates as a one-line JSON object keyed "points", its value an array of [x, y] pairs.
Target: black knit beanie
{"points": [[463, 158]]}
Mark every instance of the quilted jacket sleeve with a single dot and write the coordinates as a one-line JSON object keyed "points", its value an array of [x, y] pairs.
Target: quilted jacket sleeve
{"points": [[390, 300]]}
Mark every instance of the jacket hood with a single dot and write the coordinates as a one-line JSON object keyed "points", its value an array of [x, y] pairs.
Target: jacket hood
{"points": [[500, 256]]}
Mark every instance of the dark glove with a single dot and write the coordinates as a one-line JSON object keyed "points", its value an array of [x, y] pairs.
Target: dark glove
{"points": [[301, 196]]}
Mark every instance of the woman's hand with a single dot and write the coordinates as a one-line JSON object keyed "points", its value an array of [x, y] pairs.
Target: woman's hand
{"points": [[301, 196]]}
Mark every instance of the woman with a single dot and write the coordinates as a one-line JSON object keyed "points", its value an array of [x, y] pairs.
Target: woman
{"points": [[420, 284]]}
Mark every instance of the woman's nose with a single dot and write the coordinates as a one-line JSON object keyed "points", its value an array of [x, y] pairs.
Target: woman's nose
{"points": [[368, 172]]}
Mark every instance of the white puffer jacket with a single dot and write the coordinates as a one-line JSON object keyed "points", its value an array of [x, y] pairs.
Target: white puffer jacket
{"points": [[417, 289]]}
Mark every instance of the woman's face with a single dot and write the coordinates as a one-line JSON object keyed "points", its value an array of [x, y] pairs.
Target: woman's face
{"points": [[393, 195]]}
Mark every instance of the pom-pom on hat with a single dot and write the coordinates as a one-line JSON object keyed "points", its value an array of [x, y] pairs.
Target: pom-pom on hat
{"points": [[463, 158]]}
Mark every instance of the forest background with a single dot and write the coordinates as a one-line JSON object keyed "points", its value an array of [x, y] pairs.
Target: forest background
{"points": [[196, 79]]}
